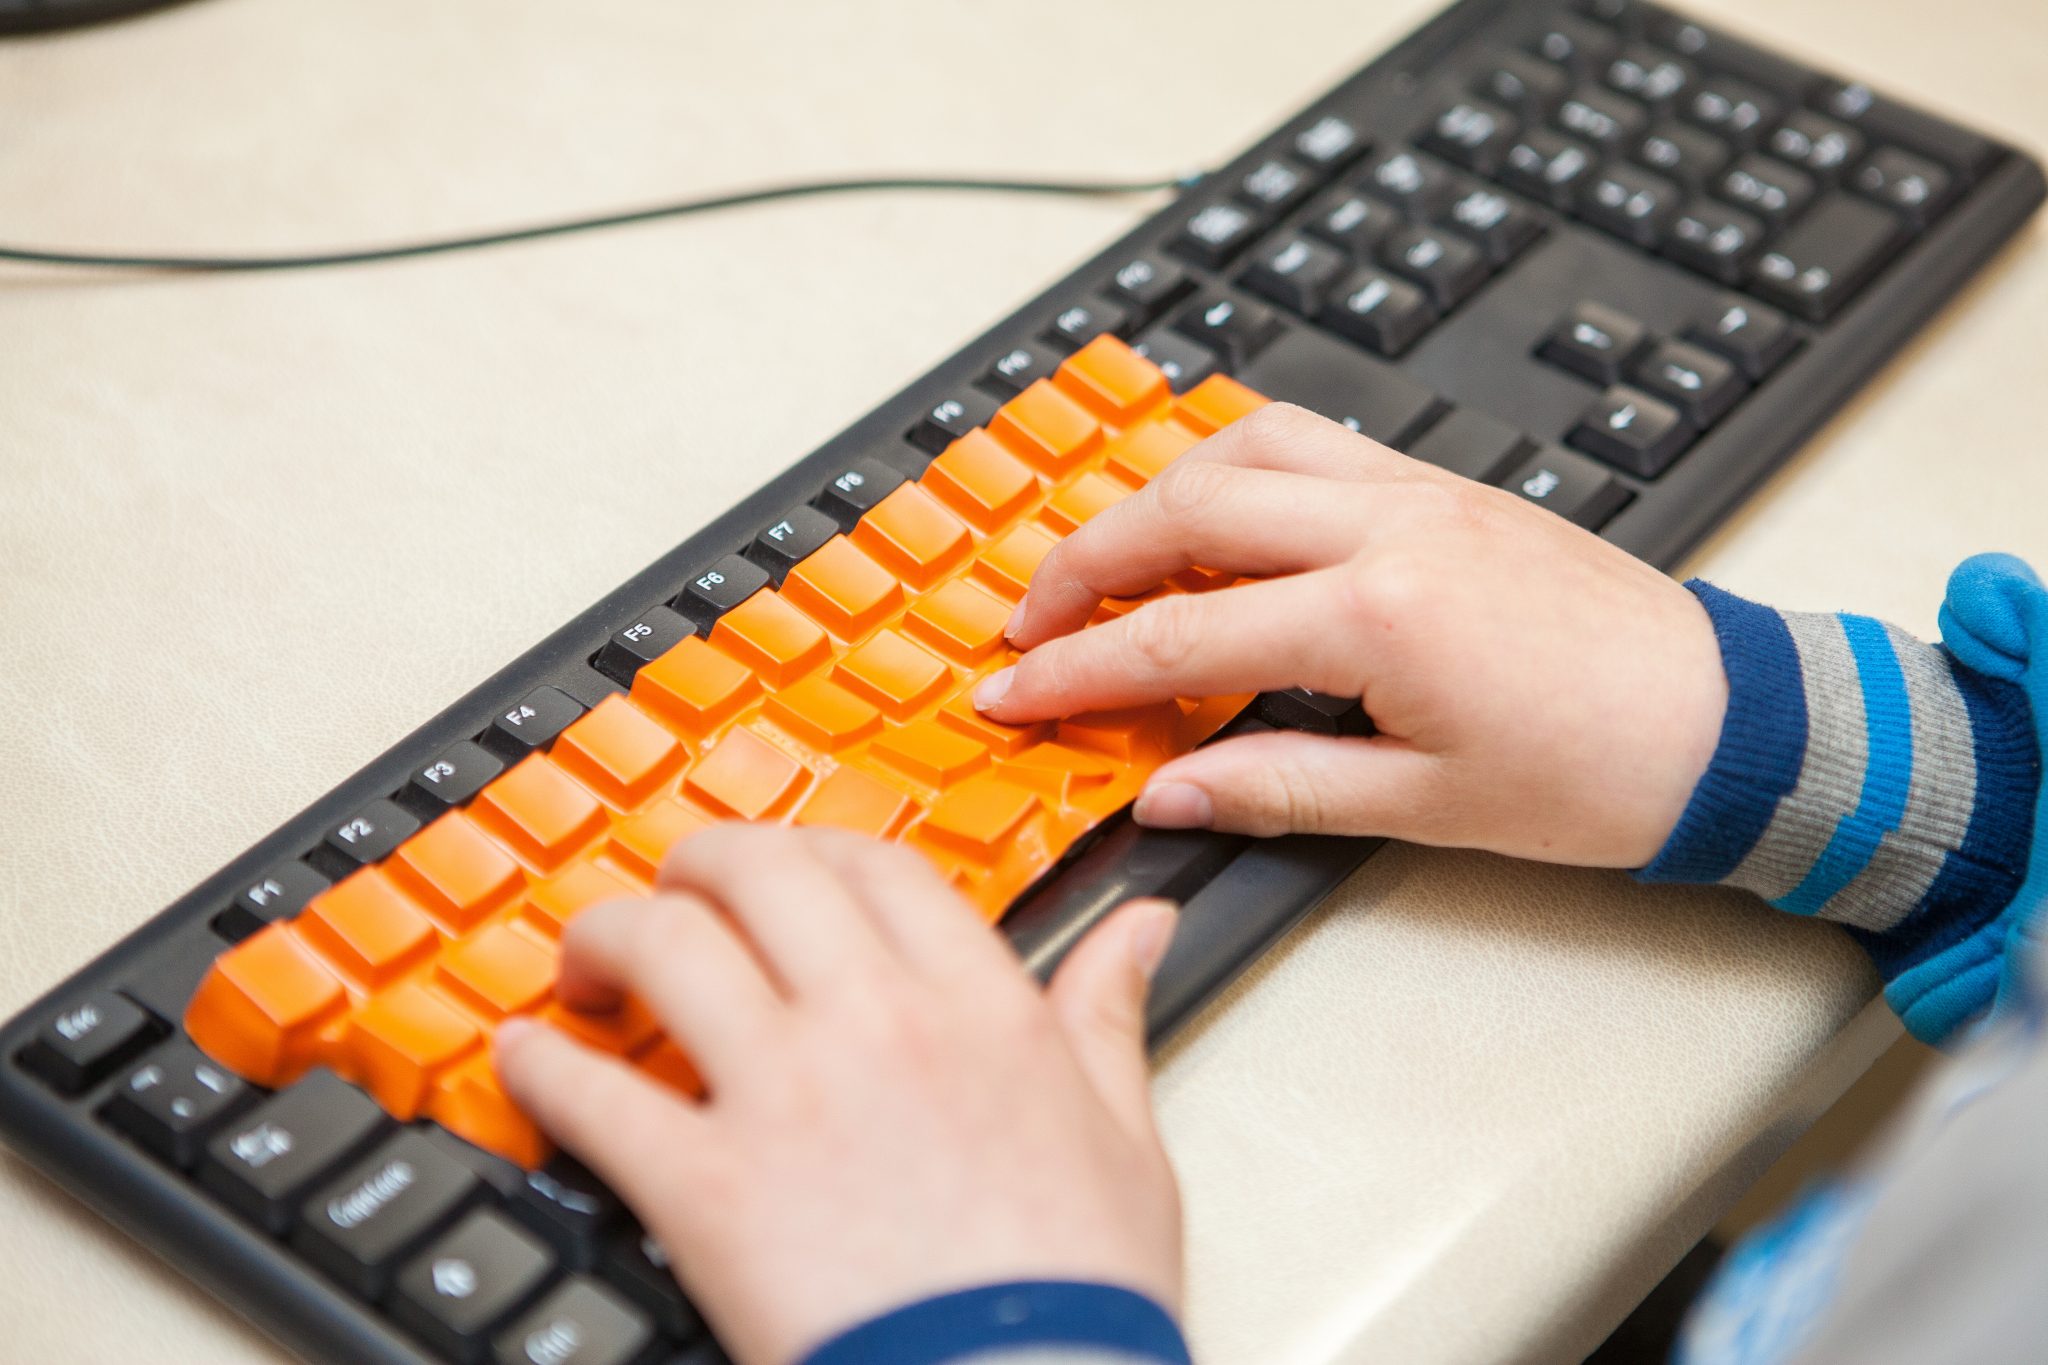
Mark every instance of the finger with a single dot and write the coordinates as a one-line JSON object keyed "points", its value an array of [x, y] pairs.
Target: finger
{"points": [[1098, 996], [1282, 436], [800, 914], [686, 963], [1281, 782], [1198, 512], [924, 917], [1252, 637]]}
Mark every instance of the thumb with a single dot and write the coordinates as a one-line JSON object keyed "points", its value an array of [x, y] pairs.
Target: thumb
{"points": [[1098, 996], [1285, 782]]}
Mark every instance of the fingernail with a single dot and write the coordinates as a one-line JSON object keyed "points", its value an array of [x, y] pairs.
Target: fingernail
{"points": [[990, 691], [512, 1030], [1174, 805], [1154, 932], [1016, 620]]}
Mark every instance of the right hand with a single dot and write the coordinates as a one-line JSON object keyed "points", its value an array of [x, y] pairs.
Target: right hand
{"points": [[1535, 690]]}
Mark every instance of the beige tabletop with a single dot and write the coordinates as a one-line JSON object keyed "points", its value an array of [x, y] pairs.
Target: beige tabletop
{"points": [[252, 530]]}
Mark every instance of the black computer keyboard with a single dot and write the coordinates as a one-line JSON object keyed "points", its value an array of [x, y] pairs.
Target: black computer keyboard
{"points": [[1616, 262]]}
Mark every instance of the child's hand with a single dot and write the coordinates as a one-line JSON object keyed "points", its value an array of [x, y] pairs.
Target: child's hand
{"points": [[894, 1108], [1536, 691]]}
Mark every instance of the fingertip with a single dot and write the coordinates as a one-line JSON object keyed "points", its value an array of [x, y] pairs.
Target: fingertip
{"points": [[1156, 921]]}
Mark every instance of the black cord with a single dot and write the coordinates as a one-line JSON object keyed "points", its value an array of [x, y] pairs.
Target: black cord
{"points": [[797, 189]]}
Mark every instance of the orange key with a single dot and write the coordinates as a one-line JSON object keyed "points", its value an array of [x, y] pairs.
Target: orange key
{"points": [[894, 674], [930, 753], [913, 536], [1127, 736], [694, 686], [1058, 771], [1081, 498], [777, 640], [843, 589], [399, 1039], [1215, 403], [980, 814], [553, 903], [539, 812], [618, 752], [823, 714], [1007, 564], [1142, 452], [469, 1102], [626, 1029], [1002, 740], [260, 1009], [455, 871], [667, 1063], [744, 775], [1112, 380], [960, 621], [365, 926], [850, 799], [641, 841], [1050, 430], [983, 482], [499, 970]]}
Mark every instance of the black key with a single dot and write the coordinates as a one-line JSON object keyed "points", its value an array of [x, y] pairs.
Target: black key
{"points": [[173, 1100], [649, 636], [373, 832], [1576, 44], [1630, 203], [1594, 341], [857, 490], [540, 715], [787, 543], [1732, 109], [719, 589], [357, 1225], [1471, 444], [1700, 384], [580, 1322], [1522, 83], [1817, 144], [1714, 239], [1216, 233], [634, 1263], [1295, 272], [1731, 56], [1603, 118], [1275, 186], [1080, 323], [1503, 228], [1626, 16], [1570, 485], [1628, 428], [1380, 312], [1474, 133], [1686, 155], [1830, 254], [263, 1162], [1647, 74], [1234, 329], [1449, 268], [1419, 185], [1184, 363], [1312, 712], [1018, 368], [1756, 338], [1345, 386], [1148, 285], [458, 773], [1328, 143], [1884, 120], [1770, 189], [466, 1283], [1549, 166], [278, 894], [88, 1038], [570, 1207], [947, 420], [1913, 185], [1350, 220]]}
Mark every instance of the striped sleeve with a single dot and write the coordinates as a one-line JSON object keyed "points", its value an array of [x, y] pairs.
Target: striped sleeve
{"points": [[1868, 778], [1026, 1322]]}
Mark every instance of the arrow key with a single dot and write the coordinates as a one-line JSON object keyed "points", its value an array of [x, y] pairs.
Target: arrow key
{"points": [[1628, 428], [1700, 384]]}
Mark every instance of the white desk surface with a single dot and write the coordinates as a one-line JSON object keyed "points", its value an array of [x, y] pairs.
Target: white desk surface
{"points": [[253, 529]]}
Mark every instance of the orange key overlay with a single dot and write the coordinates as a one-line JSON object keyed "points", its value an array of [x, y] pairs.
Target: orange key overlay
{"points": [[840, 698]]}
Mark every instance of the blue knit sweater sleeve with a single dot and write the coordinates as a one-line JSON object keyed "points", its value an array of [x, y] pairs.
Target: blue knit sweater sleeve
{"points": [[1032, 1322], [1886, 784]]}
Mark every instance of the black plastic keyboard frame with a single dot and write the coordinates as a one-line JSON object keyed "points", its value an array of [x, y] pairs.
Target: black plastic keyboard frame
{"points": [[1257, 897]]}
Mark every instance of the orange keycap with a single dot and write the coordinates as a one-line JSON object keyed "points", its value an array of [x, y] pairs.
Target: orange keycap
{"points": [[667, 1063], [1141, 453], [367, 928], [694, 686], [823, 714], [1112, 380], [553, 903], [850, 799], [641, 841], [1007, 564], [744, 775], [960, 621], [260, 1008], [983, 482], [539, 813], [930, 753], [626, 1029], [1126, 736], [455, 871], [981, 813], [618, 752], [1059, 772], [1081, 498], [894, 674], [843, 589], [469, 1102], [911, 534], [1051, 431], [1215, 403], [1001, 740], [772, 637], [399, 1039], [499, 970]]}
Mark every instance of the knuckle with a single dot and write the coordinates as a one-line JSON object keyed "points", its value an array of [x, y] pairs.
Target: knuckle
{"points": [[1162, 633], [1292, 803], [1276, 423], [1389, 589], [1190, 488]]}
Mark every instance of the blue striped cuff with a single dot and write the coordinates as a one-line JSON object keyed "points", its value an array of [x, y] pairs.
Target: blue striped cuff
{"points": [[1025, 1315]]}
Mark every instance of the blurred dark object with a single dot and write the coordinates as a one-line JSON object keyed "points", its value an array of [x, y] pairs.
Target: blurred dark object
{"points": [[41, 16]]}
